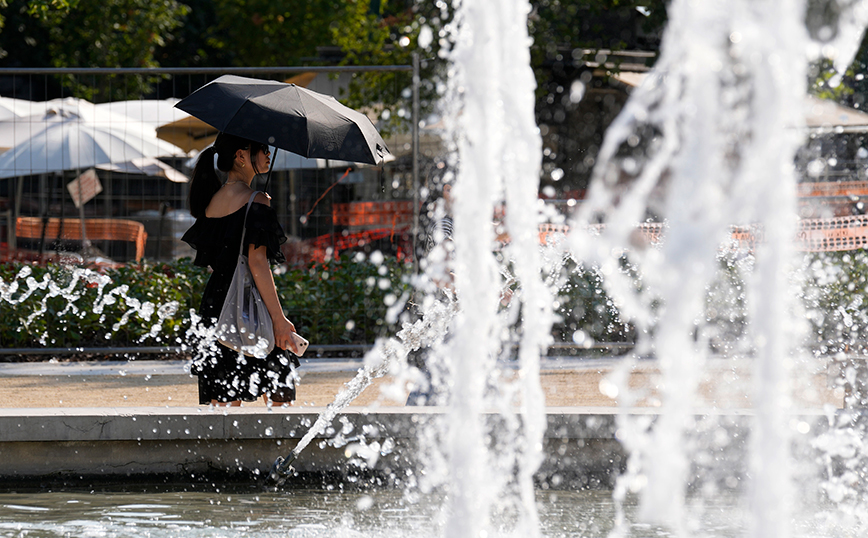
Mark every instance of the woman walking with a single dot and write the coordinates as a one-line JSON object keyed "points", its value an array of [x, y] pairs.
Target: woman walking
{"points": [[227, 377]]}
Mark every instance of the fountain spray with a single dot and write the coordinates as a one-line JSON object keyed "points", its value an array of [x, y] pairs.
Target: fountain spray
{"points": [[380, 360], [706, 142]]}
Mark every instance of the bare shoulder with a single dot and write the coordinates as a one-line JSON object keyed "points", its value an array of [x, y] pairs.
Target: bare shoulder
{"points": [[221, 205], [228, 201], [263, 198]]}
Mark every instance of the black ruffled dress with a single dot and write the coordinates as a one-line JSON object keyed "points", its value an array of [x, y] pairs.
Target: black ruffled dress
{"points": [[224, 374]]}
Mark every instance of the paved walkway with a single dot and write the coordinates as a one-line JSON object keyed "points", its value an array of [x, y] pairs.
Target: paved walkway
{"points": [[567, 382]]}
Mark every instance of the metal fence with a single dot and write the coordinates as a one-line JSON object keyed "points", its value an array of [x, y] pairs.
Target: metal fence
{"points": [[306, 192]]}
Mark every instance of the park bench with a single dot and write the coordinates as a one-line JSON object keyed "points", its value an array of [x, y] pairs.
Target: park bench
{"points": [[34, 230]]}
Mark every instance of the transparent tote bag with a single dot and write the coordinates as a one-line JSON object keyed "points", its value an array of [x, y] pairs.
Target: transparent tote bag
{"points": [[244, 323]]}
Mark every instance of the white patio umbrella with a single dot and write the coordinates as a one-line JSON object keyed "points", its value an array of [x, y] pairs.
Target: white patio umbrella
{"points": [[285, 160], [11, 107], [16, 129], [158, 114], [74, 135], [154, 112], [64, 140]]}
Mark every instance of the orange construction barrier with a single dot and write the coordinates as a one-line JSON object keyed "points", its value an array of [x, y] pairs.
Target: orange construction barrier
{"points": [[378, 214], [814, 235]]}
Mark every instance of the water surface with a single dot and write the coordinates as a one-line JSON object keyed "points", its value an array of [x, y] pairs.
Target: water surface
{"points": [[320, 513]]}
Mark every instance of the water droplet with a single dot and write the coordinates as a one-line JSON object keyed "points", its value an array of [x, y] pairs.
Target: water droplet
{"points": [[365, 502], [577, 91], [579, 337]]}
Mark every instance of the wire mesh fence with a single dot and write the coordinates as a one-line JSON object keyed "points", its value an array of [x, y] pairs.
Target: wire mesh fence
{"points": [[117, 132]]}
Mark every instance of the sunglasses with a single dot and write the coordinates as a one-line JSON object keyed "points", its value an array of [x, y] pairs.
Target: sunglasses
{"points": [[257, 147]]}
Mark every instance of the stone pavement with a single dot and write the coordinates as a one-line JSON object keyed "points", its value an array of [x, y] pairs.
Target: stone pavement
{"points": [[566, 382], [149, 383]]}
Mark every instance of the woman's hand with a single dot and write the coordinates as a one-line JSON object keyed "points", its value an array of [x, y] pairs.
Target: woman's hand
{"points": [[283, 331]]}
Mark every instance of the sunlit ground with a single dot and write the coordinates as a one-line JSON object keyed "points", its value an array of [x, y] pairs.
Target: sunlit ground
{"points": [[726, 384]]}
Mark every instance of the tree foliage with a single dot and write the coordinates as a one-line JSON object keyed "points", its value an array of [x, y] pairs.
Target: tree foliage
{"points": [[42, 8], [559, 25], [391, 37], [110, 33], [272, 32], [218, 33], [37, 8]]}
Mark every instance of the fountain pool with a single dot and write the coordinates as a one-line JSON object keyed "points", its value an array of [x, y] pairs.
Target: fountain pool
{"points": [[316, 513]]}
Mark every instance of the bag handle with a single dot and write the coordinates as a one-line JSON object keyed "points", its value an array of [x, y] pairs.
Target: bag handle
{"points": [[244, 222]]}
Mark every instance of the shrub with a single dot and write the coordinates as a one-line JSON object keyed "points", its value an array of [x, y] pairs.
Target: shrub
{"points": [[345, 301], [63, 306], [584, 309], [340, 301], [834, 299]]}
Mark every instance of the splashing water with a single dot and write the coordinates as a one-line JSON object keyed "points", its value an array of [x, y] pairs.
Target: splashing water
{"points": [[73, 289], [499, 153], [707, 142], [498, 156], [386, 356]]}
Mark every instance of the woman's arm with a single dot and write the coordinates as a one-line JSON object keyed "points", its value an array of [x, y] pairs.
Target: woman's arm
{"points": [[264, 279]]}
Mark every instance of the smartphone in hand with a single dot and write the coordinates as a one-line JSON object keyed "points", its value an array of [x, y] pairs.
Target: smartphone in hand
{"points": [[300, 344]]}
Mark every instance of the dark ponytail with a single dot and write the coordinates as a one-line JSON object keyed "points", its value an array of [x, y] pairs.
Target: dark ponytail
{"points": [[204, 184]]}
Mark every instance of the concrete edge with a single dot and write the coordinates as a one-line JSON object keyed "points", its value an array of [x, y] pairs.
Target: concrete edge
{"points": [[580, 444]]}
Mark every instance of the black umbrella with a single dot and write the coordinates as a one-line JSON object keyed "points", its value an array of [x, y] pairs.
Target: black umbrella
{"points": [[288, 117]]}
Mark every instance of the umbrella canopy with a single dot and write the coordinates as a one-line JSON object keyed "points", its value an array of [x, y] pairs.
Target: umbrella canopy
{"points": [[63, 139], [169, 123], [824, 115], [16, 130], [287, 116], [11, 107], [301, 79], [821, 115]]}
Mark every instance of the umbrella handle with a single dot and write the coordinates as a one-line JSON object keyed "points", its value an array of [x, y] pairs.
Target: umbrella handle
{"points": [[270, 168]]}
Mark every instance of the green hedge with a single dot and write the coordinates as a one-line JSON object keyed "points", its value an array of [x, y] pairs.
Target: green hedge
{"points": [[584, 311], [73, 318], [832, 305], [345, 301], [342, 301], [832, 297], [834, 300], [337, 302]]}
